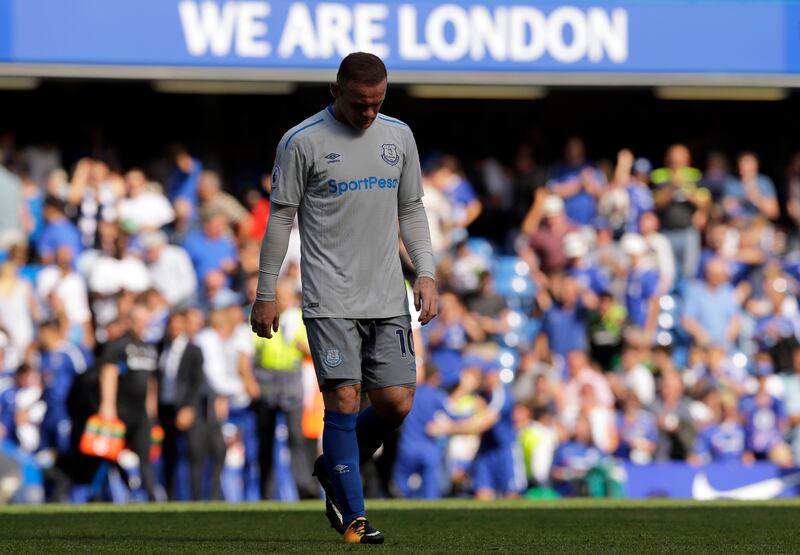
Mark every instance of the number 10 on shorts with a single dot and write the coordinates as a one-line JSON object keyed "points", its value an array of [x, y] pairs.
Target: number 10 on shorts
{"points": [[406, 338]]}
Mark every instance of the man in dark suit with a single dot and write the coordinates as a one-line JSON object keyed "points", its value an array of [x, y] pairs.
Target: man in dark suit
{"points": [[184, 408]]}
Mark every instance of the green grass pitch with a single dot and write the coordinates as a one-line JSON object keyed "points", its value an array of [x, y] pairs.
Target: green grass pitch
{"points": [[461, 526]]}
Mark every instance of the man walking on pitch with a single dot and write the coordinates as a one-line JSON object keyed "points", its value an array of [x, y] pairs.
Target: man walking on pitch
{"points": [[352, 174]]}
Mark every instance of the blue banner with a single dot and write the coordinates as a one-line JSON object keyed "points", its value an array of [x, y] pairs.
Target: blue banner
{"points": [[761, 480], [661, 37]]}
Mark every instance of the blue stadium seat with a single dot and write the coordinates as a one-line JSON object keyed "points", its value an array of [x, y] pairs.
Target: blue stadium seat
{"points": [[482, 247]]}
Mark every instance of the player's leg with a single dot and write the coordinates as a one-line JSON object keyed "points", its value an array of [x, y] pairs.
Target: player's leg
{"points": [[336, 350], [389, 377]]}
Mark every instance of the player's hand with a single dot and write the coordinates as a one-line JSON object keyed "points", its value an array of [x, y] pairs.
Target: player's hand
{"points": [[264, 318], [426, 299]]}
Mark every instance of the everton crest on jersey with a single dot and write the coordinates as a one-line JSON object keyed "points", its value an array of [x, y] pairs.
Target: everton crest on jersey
{"points": [[390, 154]]}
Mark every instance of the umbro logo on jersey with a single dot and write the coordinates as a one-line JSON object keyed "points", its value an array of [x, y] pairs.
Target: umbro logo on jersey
{"points": [[333, 157]]}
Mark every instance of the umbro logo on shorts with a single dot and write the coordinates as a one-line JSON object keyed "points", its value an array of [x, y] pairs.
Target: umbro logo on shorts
{"points": [[341, 468], [333, 157]]}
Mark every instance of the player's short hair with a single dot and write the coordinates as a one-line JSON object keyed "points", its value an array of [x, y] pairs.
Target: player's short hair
{"points": [[361, 67]]}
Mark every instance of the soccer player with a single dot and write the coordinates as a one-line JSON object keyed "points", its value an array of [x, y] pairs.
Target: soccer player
{"points": [[352, 174]]}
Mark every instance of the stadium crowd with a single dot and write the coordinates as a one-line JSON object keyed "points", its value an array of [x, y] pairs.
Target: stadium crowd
{"points": [[590, 314]]}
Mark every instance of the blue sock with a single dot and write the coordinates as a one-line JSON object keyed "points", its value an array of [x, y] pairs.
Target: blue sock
{"points": [[371, 432], [340, 449]]}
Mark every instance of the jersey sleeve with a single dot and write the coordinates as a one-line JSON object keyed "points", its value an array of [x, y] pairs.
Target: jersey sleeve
{"points": [[289, 174], [410, 188]]}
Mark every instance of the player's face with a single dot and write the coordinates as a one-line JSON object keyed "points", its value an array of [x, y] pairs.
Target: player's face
{"points": [[359, 103]]}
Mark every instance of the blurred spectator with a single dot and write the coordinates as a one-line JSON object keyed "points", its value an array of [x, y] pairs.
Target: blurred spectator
{"points": [[723, 441], [92, 195], [259, 208], [660, 256], [565, 314], [679, 203], [182, 185], [278, 373], [448, 335], [67, 295], [11, 207], [488, 308], [61, 361], [447, 177], [33, 210], [606, 324], [538, 439], [752, 194], [420, 453], [212, 251], [57, 232], [22, 409], [577, 182], [792, 402], [128, 389], [641, 290], [676, 430], [580, 374], [575, 459], [212, 198], [765, 418], [529, 179], [638, 434], [467, 269], [717, 176], [588, 273], [547, 226], [170, 268], [185, 408], [143, 209], [712, 311], [18, 308]]}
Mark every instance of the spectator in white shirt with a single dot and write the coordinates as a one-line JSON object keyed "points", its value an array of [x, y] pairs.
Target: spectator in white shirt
{"points": [[65, 291], [144, 208], [170, 267]]}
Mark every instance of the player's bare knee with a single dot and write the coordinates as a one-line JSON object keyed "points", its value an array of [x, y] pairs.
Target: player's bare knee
{"points": [[345, 399], [393, 405]]}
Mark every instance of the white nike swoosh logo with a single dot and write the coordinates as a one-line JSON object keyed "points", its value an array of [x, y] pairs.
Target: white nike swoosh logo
{"points": [[765, 489], [373, 534]]}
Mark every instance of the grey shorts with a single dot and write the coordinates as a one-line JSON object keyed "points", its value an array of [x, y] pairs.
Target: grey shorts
{"points": [[375, 353]]}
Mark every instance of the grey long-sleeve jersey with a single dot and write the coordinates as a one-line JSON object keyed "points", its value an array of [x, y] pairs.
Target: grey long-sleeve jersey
{"points": [[350, 188]]}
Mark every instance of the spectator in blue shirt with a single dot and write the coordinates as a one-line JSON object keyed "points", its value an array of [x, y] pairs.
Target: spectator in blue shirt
{"points": [[752, 194], [565, 319], [639, 193], [61, 362], [765, 418], [418, 451], [465, 207], [578, 182], [212, 250], [711, 309], [57, 232], [723, 441], [588, 273], [181, 186], [642, 287], [575, 458], [638, 433], [448, 336]]}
